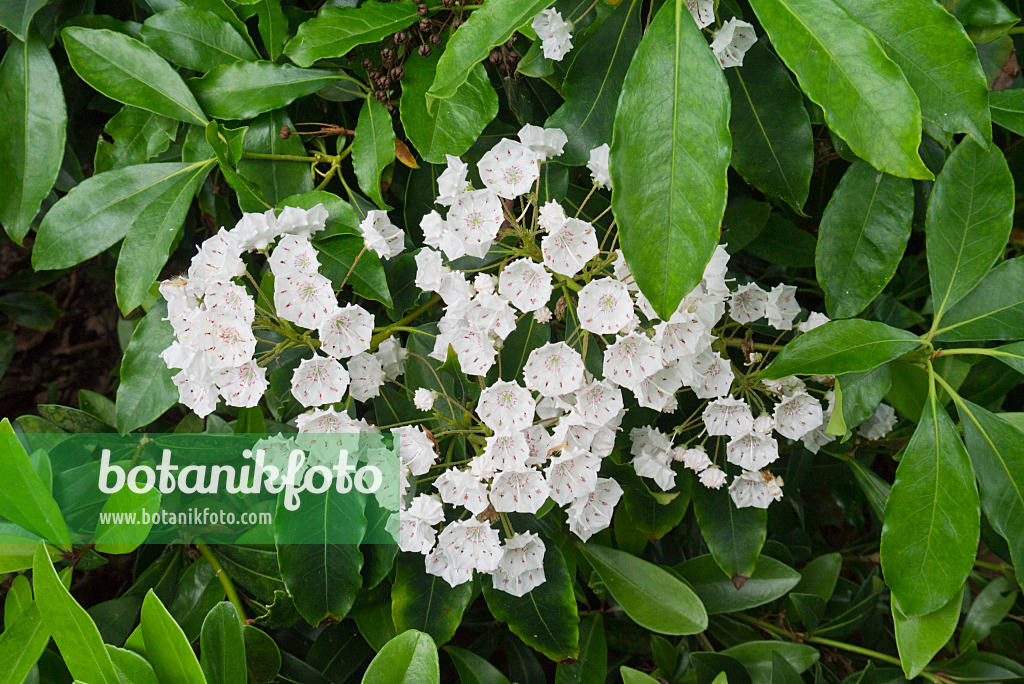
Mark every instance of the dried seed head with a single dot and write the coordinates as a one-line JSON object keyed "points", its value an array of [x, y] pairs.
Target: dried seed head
{"points": [[367, 63], [400, 37], [285, 133], [421, 9], [381, 96], [435, 38], [424, 24], [387, 54], [424, 50]]}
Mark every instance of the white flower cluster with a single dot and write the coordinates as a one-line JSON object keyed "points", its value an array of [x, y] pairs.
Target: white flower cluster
{"points": [[731, 41], [554, 32]]}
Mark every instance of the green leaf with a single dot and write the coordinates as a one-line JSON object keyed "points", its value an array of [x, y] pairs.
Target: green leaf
{"points": [[757, 657], [932, 517], [918, 639], [33, 120], [32, 309], [633, 676], [244, 89], [937, 58], [138, 136], [273, 26], [669, 158], [985, 20], [262, 656], [733, 535], [770, 580], [146, 390], [593, 83], [275, 179], [322, 577], [72, 629], [426, 602], [227, 145], [121, 538], [841, 347], [970, 214], [373, 148], [783, 672], [485, 29], [22, 641], [654, 598], [24, 499], [221, 647], [473, 669], [862, 393], [195, 39], [988, 609], [128, 71], [169, 651], [994, 310], [841, 67], [862, 237], [16, 15], [336, 30], [367, 278], [592, 665], [451, 126], [1007, 108], [772, 145], [545, 618], [409, 657]]}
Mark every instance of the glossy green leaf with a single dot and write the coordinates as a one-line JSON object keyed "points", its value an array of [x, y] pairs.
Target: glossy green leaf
{"points": [[146, 390], [22, 641], [221, 648], [994, 310], [273, 26], [545, 618], [988, 609], [932, 517], [275, 179], [593, 83], [862, 393], [757, 657], [33, 309], [770, 580], [486, 28], [985, 20], [16, 15], [652, 597], [373, 148], [410, 657], [1007, 108], [72, 629], [24, 499], [195, 39], [426, 602], [128, 71], [120, 538], [336, 30], [450, 126], [33, 120], [338, 255], [242, 90], [918, 639], [772, 146], [137, 135], [262, 656], [669, 158], [862, 237], [842, 68], [227, 145], [131, 667], [839, 347], [633, 676], [592, 665], [167, 648], [197, 593], [473, 669], [733, 535]]}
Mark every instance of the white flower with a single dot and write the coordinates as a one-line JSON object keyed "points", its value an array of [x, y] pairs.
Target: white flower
{"points": [[818, 437], [685, 334], [416, 532], [539, 440], [415, 448], [752, 451], [599, 402], [544, 142], [728, 416], [526, 284], [438, 564], [572, 475], [713, 280], [881, 423], [318, 381], [506, 407], [423, 398], [434, 229], [304, 299], [764, 424], [703, 11], [346, 332], [462, 488], [430, 270], [471, 544], [551, 216], [506, 451], [814, 320], [224, 341], [522, 565], [797, 415], [452, 181], [509, 169], [200, 396], [490, 313], [328, 421], [554, 32], [748, 303], [293, 255], [474, 220], [658, 390], [755, 489], [714, 375], [218, 258], [542, 315], [781, 307], [785, 386], [519, 491], [243, 385], [732, 41], [483, 283], [598, 166], [696, 459], [605, 306], [302, 222], [712, 477], [657, 465], [554, 369], [255, 231], [647, 438], [593, 512], [476, 351], [367, 376], [229, 299], [632, 358], [392, 357], [381, 235]]}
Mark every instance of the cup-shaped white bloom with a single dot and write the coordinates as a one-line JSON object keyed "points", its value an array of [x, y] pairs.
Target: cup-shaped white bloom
{"points": [[713, 477], [728, 416], [656, 465], [519, 491], [366, 376], [814, 320], [748, 303], [224, 341], [544, 142], [573, 432], [455, 289], [228, 299], [598, 166], [658, 390], [572, 476], [539, 440], [526, 284], [415, 448], [753, 489], [551, 216], [632, 358], [243, 385], [462, 488], [392, 357], [509, 169], [647, 438], [554, 369], [732, 41], [881, 423], [218, 258], [752, 451], [592, 513], [423, 398], [703, 11], [346, 332], [474, 220], [567, 249], [797, 415], [506, 407], [599, 402], [476, 351], [818, 437], [380, 235], [685, 334], [781, 307], [522, 564], [255, 230], [180, 301], [198, 395], [328, 421], [452, 181], [303, 222], [318, 381], [293, 255], [491, 313], [554, 32], [713, 281], [304, 299], [764, 424], [506, 451], [605, 306], [471, 544], [696, 459], [416, 532], [713, 375], [430, 270], [784, 387], [438, 564]]}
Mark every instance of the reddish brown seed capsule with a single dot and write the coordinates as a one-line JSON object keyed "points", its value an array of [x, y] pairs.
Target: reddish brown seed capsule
{"points": [[424, 50]]}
